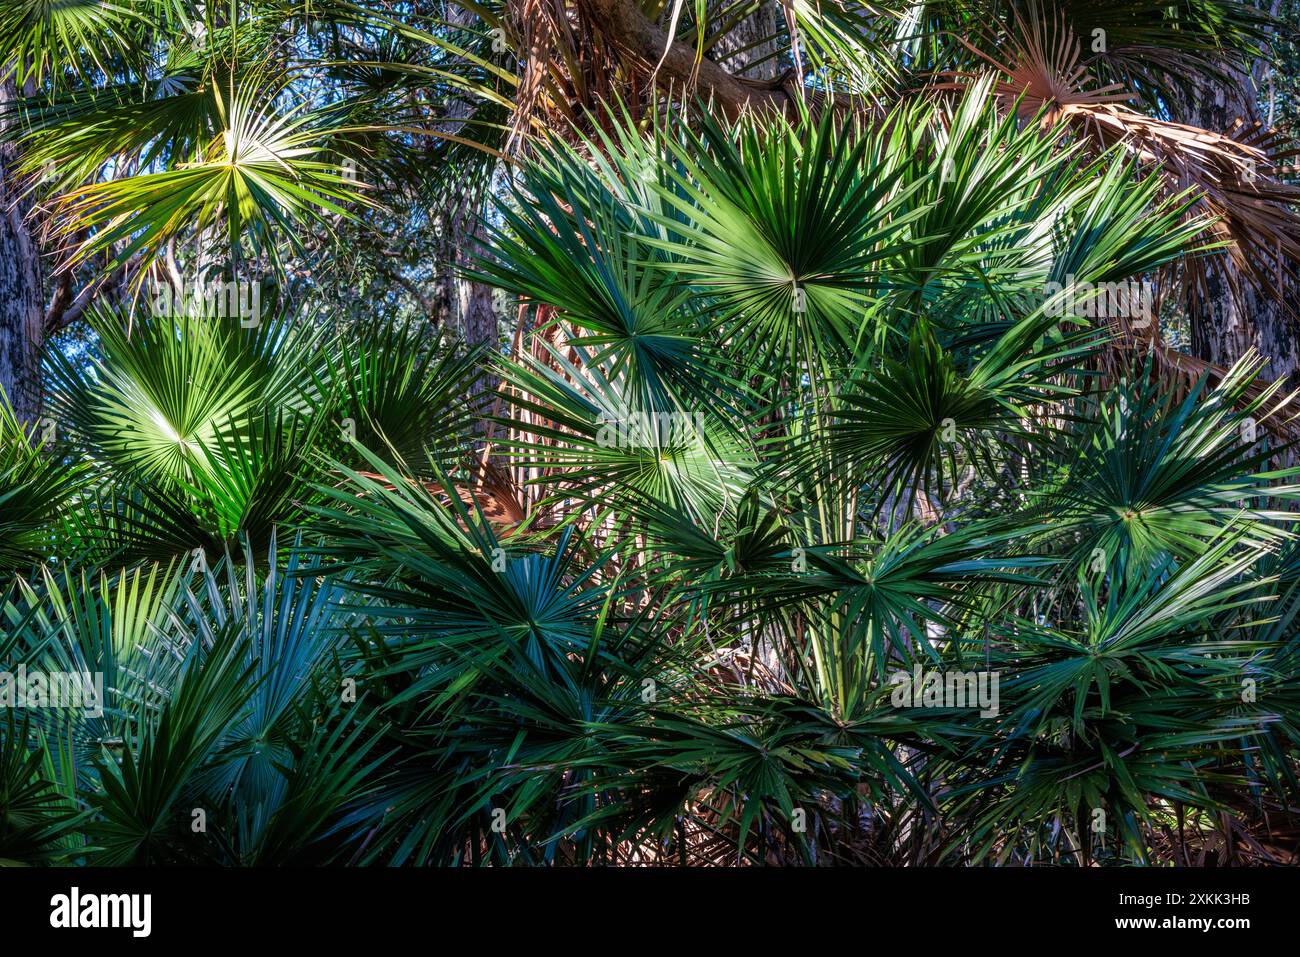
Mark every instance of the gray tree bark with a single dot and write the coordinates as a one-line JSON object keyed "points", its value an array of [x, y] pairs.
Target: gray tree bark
{"points": [[22, 312], [1225, 326], [466, 305], [757, 28]]}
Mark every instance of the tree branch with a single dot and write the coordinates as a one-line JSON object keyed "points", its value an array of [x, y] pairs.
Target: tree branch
{"points": [[64, 310], [623, 22]]}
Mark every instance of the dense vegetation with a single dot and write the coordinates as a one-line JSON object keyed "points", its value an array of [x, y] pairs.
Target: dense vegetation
{"points": [[653, 515]]}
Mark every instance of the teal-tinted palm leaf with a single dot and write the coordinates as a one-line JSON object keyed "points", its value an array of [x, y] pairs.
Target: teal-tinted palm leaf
{"points": [[1152, 476], [604, 442], [108, 627], [35, 487], [35, 815], [1128, 709], [138, 817]]}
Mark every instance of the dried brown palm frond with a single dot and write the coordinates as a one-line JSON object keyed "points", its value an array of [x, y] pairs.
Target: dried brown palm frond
{"points": [[1235, 172], [490, 491], [1162, 49], [1251, 833], [565, 68], [1180, 372], [1254, 208], [541, 27]]}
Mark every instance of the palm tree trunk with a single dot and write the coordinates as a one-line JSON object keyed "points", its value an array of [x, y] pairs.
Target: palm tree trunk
{"points": [[1225, 326], [22, 315]]}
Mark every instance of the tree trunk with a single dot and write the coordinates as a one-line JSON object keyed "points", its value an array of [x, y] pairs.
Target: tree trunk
{"points": [[22, 313], [466, 306], [1225, 326], [757, 28]]}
